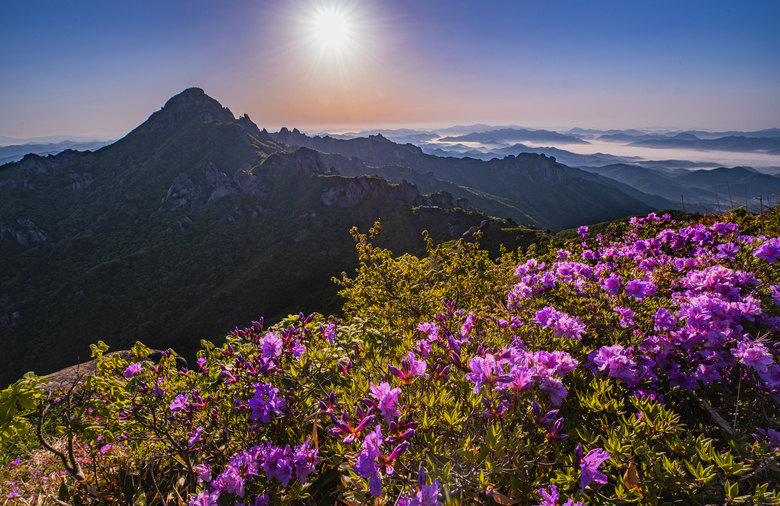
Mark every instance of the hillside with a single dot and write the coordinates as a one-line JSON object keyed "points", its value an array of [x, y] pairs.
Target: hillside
{"points": [[191, 224], [551, 194]]}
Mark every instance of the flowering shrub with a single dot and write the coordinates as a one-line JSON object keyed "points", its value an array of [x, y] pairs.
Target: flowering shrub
{"points": [[639, 366]]}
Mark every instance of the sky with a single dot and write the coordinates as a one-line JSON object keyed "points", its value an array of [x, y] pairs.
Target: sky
{"points": [[100, 68]]}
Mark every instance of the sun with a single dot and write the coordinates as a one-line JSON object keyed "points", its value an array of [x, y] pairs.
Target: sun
{"points": [[331, 30]]}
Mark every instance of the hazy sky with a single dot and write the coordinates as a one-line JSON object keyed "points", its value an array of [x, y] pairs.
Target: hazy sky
{"points": [[100, 68]]}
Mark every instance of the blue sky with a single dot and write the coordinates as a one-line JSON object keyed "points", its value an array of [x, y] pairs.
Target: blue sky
{"points": [[101, 68]]}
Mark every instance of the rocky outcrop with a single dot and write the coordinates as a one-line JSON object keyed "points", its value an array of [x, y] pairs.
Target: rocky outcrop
{"points": [[69, 376], [485, 226], [191, 103], [303, 161], [351, 192], [9, 320], [532, 166], [25, 233], [184, 191], [253, 130], [447, 200], [32, 167], [80, 181]]}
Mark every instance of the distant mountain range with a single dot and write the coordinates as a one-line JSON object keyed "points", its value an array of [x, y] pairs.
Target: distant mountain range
{"points": [[715, 190], [738, 144], [15, 152], [515, 135], [537, 188]]}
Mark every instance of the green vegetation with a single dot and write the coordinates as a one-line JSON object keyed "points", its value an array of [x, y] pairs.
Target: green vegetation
{"points": [[639, 367]]}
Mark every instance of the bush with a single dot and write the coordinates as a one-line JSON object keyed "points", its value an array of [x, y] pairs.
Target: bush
{"points": [[638, 366]]}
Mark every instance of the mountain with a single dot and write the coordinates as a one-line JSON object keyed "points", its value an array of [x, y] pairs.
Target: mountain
{"points": [[14, 153], [514, 135], [194, 222], [547, 193], [700, 189], [732, 143]]}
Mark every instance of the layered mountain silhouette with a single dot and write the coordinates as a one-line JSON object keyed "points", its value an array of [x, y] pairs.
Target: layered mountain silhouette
{"points": [[722, 188], [534, 188], [197, 221]]}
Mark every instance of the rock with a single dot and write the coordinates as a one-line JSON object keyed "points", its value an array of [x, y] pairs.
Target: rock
{"points": [[7, 320], [221, 191], [247, 183], [24, 233], [331, 196], [447, 200], [80, 181], [182, 191], [65, 378], [213, 175]]}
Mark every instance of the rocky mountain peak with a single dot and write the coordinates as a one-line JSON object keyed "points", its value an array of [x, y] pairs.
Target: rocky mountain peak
{"points": [[190, 103]]}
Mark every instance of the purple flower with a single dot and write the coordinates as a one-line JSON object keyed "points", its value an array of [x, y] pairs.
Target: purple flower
{"points": [[768, 250], [330, 333], [547, 317], [388, 400], [482, 370], [430, 329], [365, 467], [410, 367], [549, 497], [206, 498], [568, 327], [611, 284], [194, 437], [204, 472], [626, 316], [589, 467], [757, 356], [304, 459], [771, 436], [277, 463], [264, 402], [774, 291], [133, 369], [428, 495], [519, 379], [271, 345], [181, 403], [555, 432], [664, 320], [640, 289], [771, 376], [555, 390]]}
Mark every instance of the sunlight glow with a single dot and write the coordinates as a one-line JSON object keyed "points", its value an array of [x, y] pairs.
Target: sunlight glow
{"points": [[331, 30]]}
